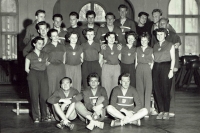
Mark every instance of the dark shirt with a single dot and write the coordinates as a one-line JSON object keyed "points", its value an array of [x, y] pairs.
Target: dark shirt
{"points": [[77, 30], [128, 25], [146, 56], [128, 55], [91, 52]]}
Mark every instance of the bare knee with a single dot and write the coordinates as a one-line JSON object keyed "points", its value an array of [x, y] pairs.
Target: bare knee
{"points": [[110, 108]]}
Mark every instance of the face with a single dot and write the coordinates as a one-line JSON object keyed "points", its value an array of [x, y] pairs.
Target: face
{"points": [[161, 36], [39, 44], [94, 82], [43, 30], [111, 39], [40, 17], [144, 41], [90, 19], [90, 35], [73, 20], [163, 24], [57, 22], [143, 19], [54, 36], [130, 39], [156, 17], [66, 84], [110, 20], [123, 12], [73, 38], [125, 82]]}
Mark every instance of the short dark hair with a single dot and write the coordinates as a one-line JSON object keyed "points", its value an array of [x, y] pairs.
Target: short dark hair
{"points": [[157, 10], [125, 75], [74, 14], [129, 33], [161, 30], [57, 15], [41, 23], [51, 31], [111, 33], [67, 36], [34, 40], [92, 75], [39, 11], [90, 12], [110, 13], [122, 6], [143, 13], [146, 35], [165, 19], [87, 30], [70, 80]]}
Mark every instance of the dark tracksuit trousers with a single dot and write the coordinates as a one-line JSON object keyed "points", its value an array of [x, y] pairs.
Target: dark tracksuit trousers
{"points": [[38, 89]]}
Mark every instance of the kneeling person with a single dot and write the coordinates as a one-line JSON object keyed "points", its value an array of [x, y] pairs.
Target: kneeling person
{"points": [[63, 101], [95, 100], [125, 105]]}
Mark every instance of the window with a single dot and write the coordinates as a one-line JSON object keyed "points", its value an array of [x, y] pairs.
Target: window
{"points": [[9, 28], [184, 17], [100, 12]]}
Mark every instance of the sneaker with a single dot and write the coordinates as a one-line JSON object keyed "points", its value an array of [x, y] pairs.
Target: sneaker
{"points": [[70, 125], [60, 125], [159, 116], [137, 122], [99, 124], [37, 120], [90, 126], [171, 114], [115, 123], [46, 119], [146, 116], [154, 112], [166, 116]]}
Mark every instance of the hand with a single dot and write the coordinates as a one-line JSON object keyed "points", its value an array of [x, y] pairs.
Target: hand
{"points": [[176, 45], [175, 69], [47, 62], [170, 75], [103, 46], [102, 25], [66, 100], [119, 46]]}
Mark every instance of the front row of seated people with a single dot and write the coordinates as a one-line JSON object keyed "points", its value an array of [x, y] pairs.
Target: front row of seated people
{"points": [[92, 104]]}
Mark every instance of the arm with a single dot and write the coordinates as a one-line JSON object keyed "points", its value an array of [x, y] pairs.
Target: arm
{"points": [[87, 102], [120, 56], [151, 66], [27, 49], [104, 94], [100, 59], [64, 58], [138, 105], [27, 65], [172, 54], [113, 100], [81, 57], [136, 60]]}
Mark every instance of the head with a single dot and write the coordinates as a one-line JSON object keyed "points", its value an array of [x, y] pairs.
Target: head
{"points": [[142, 18], [110, 37], [90, 15], [145, 38], [123, 10], [163, 23], [161, 34], [131, 37], [110, 18], [90, 34], [125, 80], [93, 80], [57, 20], [72, 37], [157, 14], [42, 28], [73, 17], [53, 35], [40, 15], [38, 42], [66, 83]]}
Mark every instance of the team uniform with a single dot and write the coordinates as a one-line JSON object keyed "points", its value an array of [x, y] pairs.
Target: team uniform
{"points": [[144, 76], [91, 60], [73, 65], [38, 83], [110, 69], [85, 26], [56, 68], [128, 62], [140, 31]]}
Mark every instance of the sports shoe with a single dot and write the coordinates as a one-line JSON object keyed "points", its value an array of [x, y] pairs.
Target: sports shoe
{"points": [[46, 119], [115, 123], [137, 122], [146, 116], [171, 114], [159, 116], [166, 116], [60, 125], [99, 124], [90, 126], [153, 111], [70, 125], [37, 120]]}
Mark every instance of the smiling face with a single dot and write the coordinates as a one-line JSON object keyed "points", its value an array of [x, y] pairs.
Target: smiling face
{"points": [[43, 30], [66, 84], [125, 82], [73, 38], [163, 24], [90, 35], [144, 41], [130, 39], [142, 19], [123, 12], [94, 82], [161, 36], [111, 39], [54, 36], [156, 17], [39, 45], [40, 17]]}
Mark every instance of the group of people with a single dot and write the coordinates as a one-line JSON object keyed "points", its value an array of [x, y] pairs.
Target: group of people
{"points": [[93, 71]]}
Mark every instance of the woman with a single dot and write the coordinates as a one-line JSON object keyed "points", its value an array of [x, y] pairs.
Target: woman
{"points": [[164, 61]]}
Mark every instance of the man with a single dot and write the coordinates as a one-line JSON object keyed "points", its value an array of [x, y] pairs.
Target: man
{"points": [[90, 15], [31, 31], [125, 104], [42, 29]]}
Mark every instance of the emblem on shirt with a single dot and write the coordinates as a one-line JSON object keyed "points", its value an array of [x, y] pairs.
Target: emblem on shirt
{"points": [[39, 59], [159, 49], [142, 55], [129, 54], [123, 100], [74, 53], [112, 53]]}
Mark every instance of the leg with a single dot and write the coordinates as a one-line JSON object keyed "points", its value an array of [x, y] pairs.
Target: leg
{"points": [[71, 112], [59, 112], [106, 78], [114, 112]]}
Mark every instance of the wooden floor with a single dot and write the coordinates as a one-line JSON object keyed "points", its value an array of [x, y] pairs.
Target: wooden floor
{"points": [[187, 120]]}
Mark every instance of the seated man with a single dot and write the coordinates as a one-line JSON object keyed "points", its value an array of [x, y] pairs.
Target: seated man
{"points": [[63, 101], [125, 104], [95, 100]]}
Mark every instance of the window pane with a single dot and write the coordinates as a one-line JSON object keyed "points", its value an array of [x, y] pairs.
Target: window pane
{"points": [[100, 13], [9, 24], [191, 7], [191, 25], [83, 11], [8, 6], [175, 7], [176, 24], [191, 45]]}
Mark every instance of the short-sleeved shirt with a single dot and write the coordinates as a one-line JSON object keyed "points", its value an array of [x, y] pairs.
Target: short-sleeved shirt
{"points": [[37, 62], [111, 56], [73, 56], [56, 54], [128, 54], [91, 52], [77, 30], [162, 54], [144, 56]]}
